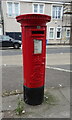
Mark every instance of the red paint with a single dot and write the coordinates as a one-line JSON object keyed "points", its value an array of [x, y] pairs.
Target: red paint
{"points": [[33, 64]]}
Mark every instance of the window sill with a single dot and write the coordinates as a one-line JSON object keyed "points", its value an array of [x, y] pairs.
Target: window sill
{"points": [[58, 38], [51, 38], [11, 17], [37, 13], [57, 19], [67, 36]]}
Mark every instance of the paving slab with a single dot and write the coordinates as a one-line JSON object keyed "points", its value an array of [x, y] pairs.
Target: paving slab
{"points": [[60, 94], [66, 92], [57, 46], [9, 103]]}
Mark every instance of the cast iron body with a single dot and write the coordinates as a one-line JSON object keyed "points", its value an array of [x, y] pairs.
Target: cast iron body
{"points": [[34, 54]]}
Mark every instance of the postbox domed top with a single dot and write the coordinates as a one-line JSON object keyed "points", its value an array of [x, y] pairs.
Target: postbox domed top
{"points": [[33, 19]]}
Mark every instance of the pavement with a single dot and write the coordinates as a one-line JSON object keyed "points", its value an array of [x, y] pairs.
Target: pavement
{"points": [[56, 93], [57, 46], [59, 108]]}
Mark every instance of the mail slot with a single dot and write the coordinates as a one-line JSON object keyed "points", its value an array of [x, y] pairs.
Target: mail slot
{"points": [[34, 54], [37, 32]]}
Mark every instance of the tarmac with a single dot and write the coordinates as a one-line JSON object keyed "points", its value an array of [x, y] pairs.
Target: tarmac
{"points": [[56, 103]]}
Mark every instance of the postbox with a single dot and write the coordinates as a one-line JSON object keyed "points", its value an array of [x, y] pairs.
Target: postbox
{"points": [[34, 54]]}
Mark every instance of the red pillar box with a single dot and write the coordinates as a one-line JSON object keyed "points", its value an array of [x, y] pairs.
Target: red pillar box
{"points": [[34, 54]]}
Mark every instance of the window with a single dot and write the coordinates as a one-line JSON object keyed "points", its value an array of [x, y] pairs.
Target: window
{"points": [[9, 8], [38, 8], [51, 33], [16, 6], [13, 9], [35, 8], [58, 35], [68, 33], [57, 12]]}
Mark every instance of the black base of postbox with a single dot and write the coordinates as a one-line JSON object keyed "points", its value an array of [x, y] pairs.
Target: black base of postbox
{"points": [[33, 96]]}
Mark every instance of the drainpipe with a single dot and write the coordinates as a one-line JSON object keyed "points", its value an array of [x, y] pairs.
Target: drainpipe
{"points": [[2, 19], [71, 26]]}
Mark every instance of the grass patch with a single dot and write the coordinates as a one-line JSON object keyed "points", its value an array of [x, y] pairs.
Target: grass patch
{"points": [[20, 107], [50, 99]]}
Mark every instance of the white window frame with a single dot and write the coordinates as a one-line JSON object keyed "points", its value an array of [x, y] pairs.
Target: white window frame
{"points": [[61, 11], [7, 8], [1, 32], [38, 7], [66, 33], [33, 7], [18, 7], [53, 32], [60, 32], [13, 8]]}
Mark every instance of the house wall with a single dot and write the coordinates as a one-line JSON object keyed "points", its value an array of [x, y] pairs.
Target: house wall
{"points": [[11, 25], [66, 23]]}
